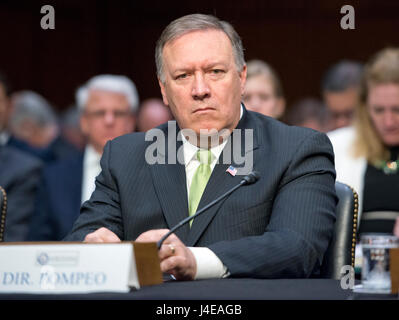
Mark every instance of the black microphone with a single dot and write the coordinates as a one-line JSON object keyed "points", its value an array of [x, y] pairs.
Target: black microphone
{"points": [[251, 178]]}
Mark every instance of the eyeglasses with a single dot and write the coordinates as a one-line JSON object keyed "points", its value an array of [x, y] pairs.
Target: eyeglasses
{"points": [[100, 114]]}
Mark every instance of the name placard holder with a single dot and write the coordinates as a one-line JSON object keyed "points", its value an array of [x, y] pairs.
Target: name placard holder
{"points": [[75, 267], [394, 269]]}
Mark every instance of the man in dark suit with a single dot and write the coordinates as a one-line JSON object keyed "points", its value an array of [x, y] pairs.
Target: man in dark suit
{"points": [[58, 200], [19, 176], [107, 105], [277, 227]]}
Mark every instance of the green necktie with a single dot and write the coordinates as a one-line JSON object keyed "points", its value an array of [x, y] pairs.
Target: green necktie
{"points": [[200, 180]]}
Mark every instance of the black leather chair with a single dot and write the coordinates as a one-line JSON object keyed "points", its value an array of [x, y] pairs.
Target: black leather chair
{"points": [[3, 212], [341, 250]]}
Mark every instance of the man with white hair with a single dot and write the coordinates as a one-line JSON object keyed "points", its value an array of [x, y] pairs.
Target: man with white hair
{"points": [[107, 106]]}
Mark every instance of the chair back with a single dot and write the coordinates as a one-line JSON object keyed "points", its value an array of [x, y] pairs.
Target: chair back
{"points": [[341, 250]]}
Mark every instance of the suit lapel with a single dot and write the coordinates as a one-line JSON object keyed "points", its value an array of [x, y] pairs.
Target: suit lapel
{"points": [[170, 185], [221, 181], [169, 181]]}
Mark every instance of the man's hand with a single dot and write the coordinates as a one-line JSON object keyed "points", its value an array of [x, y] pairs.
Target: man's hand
{"points": [[102, 235], [175, 257]]}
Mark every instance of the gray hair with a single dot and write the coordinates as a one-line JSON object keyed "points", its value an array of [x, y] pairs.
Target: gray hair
{"points": [[29, 105], [195, 22], [111, 83], [70, 117], [307, 109], [344, 75]]}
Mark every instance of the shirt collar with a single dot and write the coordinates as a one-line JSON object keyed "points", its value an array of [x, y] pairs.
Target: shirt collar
{"points": [[91, 156]]}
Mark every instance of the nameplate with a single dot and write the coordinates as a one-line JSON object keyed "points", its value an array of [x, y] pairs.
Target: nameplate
{"points": [[74, 267]]}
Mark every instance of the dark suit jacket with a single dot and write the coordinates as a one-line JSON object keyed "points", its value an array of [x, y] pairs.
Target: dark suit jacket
{"points": [[59, 149], [58, 201], [277, 227], [20, 177]]}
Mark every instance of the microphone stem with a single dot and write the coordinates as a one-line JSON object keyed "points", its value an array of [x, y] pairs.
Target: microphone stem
{"points": [[159, 243]]}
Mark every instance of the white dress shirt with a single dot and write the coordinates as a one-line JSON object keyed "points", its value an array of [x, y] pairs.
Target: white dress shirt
{"points": [[91, 169], [208, 264]]}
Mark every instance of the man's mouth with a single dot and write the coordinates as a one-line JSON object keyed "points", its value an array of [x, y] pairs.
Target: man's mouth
{"points": [[204, 110]]}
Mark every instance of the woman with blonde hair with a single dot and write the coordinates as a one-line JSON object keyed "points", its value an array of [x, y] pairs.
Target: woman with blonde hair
{"points": [[263, 90], [367, 154]]}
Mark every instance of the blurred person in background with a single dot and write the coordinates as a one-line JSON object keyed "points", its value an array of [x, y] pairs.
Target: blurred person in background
{"points": [[340, 89], [34, 128], [19, 176], [309, 113], [5, 108], [107, 106], [70, 128], [263, 90], [152, 113], [367, 153]]}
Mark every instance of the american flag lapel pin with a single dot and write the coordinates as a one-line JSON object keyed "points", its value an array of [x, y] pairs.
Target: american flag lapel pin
{"points": [[232, 170]]}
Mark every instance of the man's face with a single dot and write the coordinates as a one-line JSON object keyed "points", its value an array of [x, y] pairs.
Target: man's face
{"points": [[152, 113], [202, 85], [259, 96], [341, 106], [107, 115], [383, 107]]}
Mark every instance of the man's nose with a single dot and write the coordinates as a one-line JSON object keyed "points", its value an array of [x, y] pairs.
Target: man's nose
{"points": [[200, 88], [253, 102], [109, 117]]}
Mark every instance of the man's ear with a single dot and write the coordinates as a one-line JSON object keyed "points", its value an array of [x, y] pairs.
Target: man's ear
{"points": [[83, 125], [163, 92], [132, 122], [243, 78]]}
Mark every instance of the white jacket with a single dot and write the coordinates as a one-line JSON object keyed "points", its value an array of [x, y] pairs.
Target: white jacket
{"points": [[349, 170]]}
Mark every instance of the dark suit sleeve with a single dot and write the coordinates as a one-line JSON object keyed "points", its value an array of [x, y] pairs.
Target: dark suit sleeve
{"points": [[21, 196], [103, 207], [301, 222], [41, 227]]}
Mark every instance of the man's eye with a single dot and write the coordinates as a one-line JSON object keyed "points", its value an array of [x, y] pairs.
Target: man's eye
{"points": [[265, 97], [378, 110], [217, 71], [395, 110], [182, 76]]}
